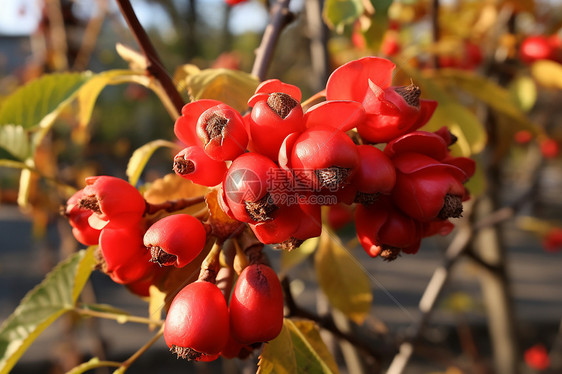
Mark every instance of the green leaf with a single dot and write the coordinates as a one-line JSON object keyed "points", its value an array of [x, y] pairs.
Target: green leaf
{"points": [[339, 13], [311, 353], [232, 87], [490, 93], [89, 93], [38, 102], [94, 363], [523, 92], [298, 349], [290, 259], [14, 139], [140, 157], [342, 278], [55, 295]]}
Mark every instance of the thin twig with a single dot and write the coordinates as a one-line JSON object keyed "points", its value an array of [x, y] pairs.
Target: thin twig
{"points": [[155, 66], [280, 17], [143, 349], [327, 323], [117, 317]]}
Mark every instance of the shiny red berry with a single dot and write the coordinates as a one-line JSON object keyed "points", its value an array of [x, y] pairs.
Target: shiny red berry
{"points": [[276, 112], [197, 323], [125, 257], [78, 219], [175, 240], [194, 164], [112, 201], [256, 307], [222, 132], [534, 48]]}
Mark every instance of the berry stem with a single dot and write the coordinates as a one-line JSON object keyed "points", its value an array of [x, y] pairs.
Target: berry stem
{"points": [[126, 364], [154, 66], [211, 264], [280, 17], [173, 205], [121, 318]]}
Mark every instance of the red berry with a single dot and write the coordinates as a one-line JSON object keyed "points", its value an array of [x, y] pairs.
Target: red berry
{"points": [[535, 48], [384, 230], [275, 114], [125, 256], [223, 132], [536, 357], [185, 127], [256, 307], [248, 187], [339, 216], [194, 164], [279, 229], [376, 173], [523, 137], [113, 201], [78, 219], [324, 158], [197, 323], [552, 242], [549, 148], [175, 240]]}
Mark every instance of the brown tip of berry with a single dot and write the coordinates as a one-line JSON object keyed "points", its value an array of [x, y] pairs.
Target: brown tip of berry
{"points": [[289, 244], [411, 94], [366, 198], [390, 253], [91, 203], [186, 353], [158, 256], [214, 127], [452, 207], [183, 166], [281, 103], [332, 178], [261, 210]]}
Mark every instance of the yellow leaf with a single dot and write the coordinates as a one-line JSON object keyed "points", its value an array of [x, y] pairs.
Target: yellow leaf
{"points": [[290, 259], [232, 87], [278, 355], [342, 278], [547, 73]]}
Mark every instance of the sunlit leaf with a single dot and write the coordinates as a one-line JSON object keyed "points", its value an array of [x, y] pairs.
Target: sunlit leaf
{"points": [[290, 259], [89, 92], [221, 224], [140, 157], [93, 363], [172, 187], [38, 102], [14, 139], [524, 92], [342, 278], [55, 295], [310, 348], [278, 355], [547, 73], [156, 302], [489, 92], [298, 349], [232, 87], [339, 13], [25, 186]]}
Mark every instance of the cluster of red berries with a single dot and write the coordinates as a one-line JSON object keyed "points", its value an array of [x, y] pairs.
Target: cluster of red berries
{"points": [[274, 168], [278, 164]]}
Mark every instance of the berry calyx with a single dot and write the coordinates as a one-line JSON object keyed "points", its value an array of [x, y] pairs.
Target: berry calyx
{"points": [[410, 93], [281, 103], [194, 164]]}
